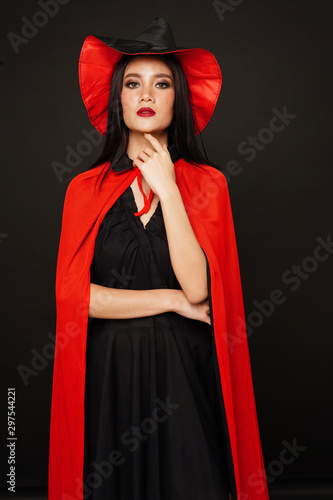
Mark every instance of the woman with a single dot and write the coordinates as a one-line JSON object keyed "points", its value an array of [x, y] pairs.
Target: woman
{"points": [[152, 394]]}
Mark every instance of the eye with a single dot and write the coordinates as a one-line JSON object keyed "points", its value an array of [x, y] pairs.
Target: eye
{"points": [[163, 85], [131, 85]]}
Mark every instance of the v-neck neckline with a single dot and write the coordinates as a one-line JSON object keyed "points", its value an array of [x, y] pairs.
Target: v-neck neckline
{"points": [[138, 218]]}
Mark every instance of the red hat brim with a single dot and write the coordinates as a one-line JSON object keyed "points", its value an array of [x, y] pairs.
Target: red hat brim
{"points": [[98, 61]]}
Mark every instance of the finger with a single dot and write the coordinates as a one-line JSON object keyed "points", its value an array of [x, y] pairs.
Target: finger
{"points": [[143, 156], [138, 163], [149, 151], [154, 142]]}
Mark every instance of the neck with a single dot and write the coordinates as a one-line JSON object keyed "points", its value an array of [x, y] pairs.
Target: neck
{"points": [[137, 142]]}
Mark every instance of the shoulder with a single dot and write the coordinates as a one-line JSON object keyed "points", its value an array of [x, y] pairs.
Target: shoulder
{"points": [[86, 178], [200, 174], [204, 189], [82, 185], [82, 193]]}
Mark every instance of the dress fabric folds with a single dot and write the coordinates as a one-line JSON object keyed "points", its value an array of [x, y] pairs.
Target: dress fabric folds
{"points": [[153, 426]]}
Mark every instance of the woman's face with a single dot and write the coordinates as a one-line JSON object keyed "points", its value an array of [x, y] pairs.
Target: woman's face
{"points": [[147, 95]]}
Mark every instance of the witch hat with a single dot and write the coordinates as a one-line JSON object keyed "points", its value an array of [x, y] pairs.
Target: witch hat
{"points": [[100, 55]]}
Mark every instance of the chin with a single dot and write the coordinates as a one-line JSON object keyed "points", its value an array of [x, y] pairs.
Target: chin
{"points": [[148, 130]]}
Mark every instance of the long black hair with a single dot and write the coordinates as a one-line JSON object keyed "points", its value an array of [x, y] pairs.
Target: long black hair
{"points": [[181, 130]]}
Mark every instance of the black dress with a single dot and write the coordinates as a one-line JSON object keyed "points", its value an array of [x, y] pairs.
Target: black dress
{"points": [[153, 429]]}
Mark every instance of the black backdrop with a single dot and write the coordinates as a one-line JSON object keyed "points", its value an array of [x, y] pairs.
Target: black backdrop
{"points": [[275, 59]]}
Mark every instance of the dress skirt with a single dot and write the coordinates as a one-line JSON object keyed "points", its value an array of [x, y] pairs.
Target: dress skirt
{"points": [[153, 426]]}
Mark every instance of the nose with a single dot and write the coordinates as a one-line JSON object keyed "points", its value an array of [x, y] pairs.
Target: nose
{"points": [[146, 98], [146, 95]]}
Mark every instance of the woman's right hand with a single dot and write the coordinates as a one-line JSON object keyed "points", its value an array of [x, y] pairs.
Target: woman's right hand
{"points": [[199, 312]]}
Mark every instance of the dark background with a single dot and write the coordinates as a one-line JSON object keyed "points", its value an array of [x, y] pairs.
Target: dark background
{"points": [[273, 55]]}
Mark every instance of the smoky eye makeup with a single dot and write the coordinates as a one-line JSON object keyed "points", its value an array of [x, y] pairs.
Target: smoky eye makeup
{"points": [[164, 82], [130, 84], [162, 85]]}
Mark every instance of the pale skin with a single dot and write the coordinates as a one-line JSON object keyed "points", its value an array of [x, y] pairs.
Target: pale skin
{"points": [[148, 82]]}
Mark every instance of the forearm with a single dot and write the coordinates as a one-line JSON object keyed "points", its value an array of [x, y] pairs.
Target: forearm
{"points": [[187, 257], [113, 303]]}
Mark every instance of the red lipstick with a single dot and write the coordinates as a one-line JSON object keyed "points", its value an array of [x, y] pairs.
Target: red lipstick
{"points": [[146, 112]]}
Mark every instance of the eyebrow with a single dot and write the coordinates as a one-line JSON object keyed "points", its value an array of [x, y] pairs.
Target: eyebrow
{"points": [[157, 75]]}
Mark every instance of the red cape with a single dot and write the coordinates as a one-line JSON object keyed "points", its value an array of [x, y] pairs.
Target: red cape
{"points": [[205, 195]]}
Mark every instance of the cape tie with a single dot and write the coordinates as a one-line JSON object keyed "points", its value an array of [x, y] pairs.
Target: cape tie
{"points": [[147, 201]]}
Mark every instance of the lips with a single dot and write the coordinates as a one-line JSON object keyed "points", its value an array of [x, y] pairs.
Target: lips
{"points": [[146, 112]]}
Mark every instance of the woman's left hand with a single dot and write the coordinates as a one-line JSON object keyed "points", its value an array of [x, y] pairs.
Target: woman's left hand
{"points": [[156, 167]]}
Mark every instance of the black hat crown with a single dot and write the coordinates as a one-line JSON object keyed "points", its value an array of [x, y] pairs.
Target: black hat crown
{"points": [[157, 37], [159, 34]]}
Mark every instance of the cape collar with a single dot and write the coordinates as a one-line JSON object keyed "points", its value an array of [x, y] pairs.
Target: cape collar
{"points": [[125, 163]]}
